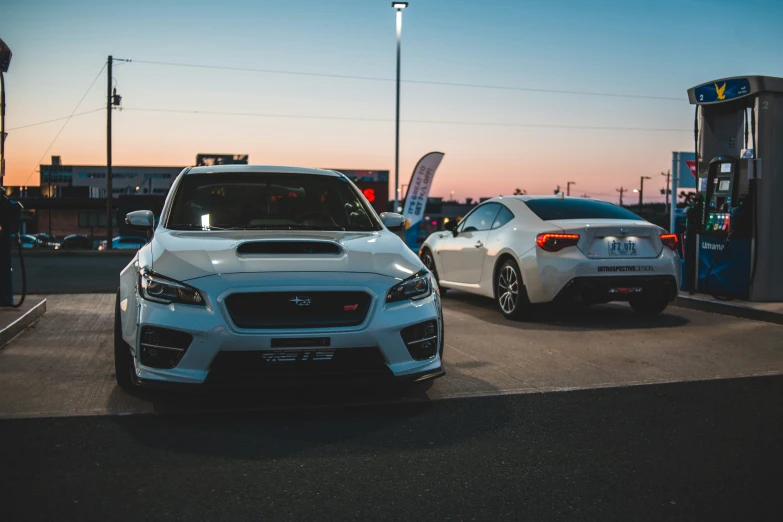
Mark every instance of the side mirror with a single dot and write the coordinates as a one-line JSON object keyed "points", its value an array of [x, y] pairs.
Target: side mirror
{"points": [[451, 226], [144, 219], [392, 221]]}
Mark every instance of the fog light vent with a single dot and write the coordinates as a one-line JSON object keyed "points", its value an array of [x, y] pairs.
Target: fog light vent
{"points": [[421, 340], [163, 348]]}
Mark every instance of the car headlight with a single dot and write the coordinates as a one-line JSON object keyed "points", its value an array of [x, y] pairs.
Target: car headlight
{"points": [[154, 287], [417, 286]]}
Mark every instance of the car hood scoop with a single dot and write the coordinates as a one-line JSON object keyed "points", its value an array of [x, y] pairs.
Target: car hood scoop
{"points": [[289, 247], [185, 255]]}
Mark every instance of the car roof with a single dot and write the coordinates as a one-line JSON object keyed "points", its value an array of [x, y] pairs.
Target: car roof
{"points": [[529, 198], [258, 169]]}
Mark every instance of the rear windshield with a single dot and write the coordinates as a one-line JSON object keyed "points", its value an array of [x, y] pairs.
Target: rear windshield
{"points": [[550, 209]]}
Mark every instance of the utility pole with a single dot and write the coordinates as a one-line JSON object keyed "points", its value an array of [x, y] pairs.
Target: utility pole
{"points": [[50, 203], [109, 106], [621, 190], [112, 99], [568, 187], [668, 176]]}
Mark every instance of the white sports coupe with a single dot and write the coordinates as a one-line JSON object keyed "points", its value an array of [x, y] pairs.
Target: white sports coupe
{"points": [[521, 250], [273, 275]]}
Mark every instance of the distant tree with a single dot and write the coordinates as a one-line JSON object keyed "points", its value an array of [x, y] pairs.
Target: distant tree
{"points": [[468, 201], [520, 192], [687, 198]]}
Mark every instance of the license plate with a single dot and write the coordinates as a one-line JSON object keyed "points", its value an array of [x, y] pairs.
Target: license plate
{"points": [[301, 342], [622, 247]]}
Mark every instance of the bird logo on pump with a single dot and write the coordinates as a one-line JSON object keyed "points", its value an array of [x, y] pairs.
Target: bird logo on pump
{"points": [[721, 91]]}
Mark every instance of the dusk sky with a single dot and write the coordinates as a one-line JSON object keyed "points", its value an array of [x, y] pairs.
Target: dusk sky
{"points": [[494, 140]]}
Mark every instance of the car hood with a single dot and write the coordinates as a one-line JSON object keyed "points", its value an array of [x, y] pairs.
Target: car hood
{"points": [[185, 255]]}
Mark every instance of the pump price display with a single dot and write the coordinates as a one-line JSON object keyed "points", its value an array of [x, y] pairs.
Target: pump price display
{"points": [[623, 248]]}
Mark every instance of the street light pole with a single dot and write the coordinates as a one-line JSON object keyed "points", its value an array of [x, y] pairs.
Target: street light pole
{"points": [[641, 189], [568, 187], [398, 6]]}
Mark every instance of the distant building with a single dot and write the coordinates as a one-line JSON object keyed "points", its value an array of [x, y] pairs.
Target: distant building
{"points": [[89, 181], [210, 160], [71, 199], [374, 184]]}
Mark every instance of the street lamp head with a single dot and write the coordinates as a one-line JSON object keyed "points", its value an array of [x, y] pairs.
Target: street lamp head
{"points": [[636, 190], [399, 5], [646, 177], [5, 57]]}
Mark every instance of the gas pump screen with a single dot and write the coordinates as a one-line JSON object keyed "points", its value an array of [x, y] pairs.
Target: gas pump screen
{"points": [[724, 185], [725, 167]]}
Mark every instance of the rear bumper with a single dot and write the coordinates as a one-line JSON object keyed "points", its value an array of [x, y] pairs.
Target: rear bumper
{"points": [[616, 288]]}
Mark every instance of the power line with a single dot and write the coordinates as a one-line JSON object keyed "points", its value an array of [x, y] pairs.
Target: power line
{"points": [[421, 82], [64, 124], [433, 122], [57, 119]]}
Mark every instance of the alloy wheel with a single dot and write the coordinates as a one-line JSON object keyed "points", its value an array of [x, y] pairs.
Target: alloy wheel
{"points": [[508, 289]]}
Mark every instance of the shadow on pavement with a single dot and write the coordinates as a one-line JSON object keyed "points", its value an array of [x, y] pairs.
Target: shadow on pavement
{"points": [[574, 316], [279, 425]]}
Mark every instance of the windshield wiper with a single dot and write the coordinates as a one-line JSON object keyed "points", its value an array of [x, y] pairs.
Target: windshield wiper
{"points": [[190, 226], [287, 227]]}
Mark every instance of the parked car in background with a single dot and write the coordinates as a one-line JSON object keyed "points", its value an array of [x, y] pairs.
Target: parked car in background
{"points": [[536, 249], [125, 243], [47, 240], [27, 241], [76, 242]]}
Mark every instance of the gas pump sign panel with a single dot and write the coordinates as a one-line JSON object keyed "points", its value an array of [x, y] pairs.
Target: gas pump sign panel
{"points": [[722, 90]]}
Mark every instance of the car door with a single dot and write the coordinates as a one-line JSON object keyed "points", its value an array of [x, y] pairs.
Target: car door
{"points": [[462, 256]]}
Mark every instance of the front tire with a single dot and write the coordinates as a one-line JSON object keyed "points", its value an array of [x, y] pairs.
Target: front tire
{"points": [[649, 303], [510, 292], [123, 360], [429, 261]]}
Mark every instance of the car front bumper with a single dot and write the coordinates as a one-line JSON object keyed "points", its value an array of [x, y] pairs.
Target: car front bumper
{"points": [[214, 333]]}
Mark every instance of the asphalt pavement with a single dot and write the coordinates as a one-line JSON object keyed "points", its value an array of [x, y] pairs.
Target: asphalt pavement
{"points": [[575, 414], [690, 451], [49, 272]]}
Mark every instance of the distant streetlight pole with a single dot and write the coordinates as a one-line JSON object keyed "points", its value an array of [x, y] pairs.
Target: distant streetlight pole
{"points": [[641, 189], [398, 6], [568, 187]]}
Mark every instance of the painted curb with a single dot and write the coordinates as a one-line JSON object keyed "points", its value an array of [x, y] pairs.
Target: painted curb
{"points": [[729, 308], [10, 332]]}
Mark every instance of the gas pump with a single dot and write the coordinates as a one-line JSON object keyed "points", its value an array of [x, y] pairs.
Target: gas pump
{"points": [[737, 249]]}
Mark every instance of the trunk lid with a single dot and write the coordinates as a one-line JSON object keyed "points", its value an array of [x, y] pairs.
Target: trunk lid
{"points": [[614, 238]]}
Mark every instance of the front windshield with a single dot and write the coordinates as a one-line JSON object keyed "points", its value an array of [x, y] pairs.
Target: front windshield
{"points": [[250, 200]]}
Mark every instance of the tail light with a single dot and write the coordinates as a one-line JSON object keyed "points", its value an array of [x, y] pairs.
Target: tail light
{"points": [[555, 242], [670, 240]]}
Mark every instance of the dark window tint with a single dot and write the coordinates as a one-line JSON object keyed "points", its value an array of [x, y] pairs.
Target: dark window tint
{"points": [[269, 200], [481, 218], [550, 209], [503, 217]]}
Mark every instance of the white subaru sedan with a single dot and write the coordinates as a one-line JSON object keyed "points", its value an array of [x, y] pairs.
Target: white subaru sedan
{"points": [[273, 275], [521, 250]]}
